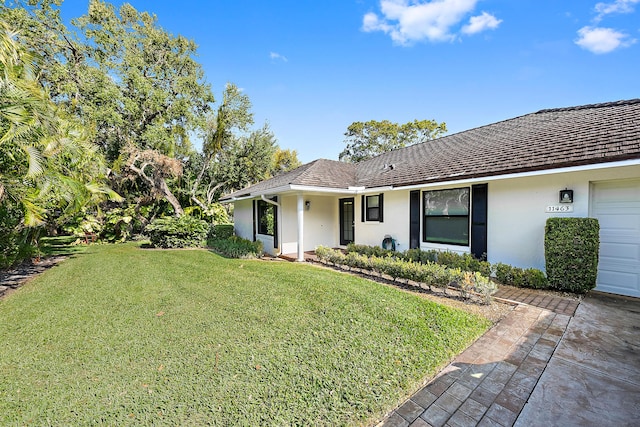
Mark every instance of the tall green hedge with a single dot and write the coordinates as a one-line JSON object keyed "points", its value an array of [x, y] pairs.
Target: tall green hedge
{"points": [[571, 248], [172, 232]]}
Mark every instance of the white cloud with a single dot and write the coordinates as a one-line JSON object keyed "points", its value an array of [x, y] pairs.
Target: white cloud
{"points": [[276, 56], [618, 6], [602, 40], [480, 23], [410, 21]]}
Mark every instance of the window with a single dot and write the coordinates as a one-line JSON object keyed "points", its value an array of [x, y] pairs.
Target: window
{"points": [[372, 208], [266, 220], [446, 216]]}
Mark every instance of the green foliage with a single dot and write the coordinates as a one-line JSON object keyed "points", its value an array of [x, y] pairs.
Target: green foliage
{"points": [[506, 274], [121, 224], [284, 161], [366, 140], [429, 273], [534, 278], [571, 252], [236, 247], [369, 250], [182, 232], [12, 246], [220, 231]]}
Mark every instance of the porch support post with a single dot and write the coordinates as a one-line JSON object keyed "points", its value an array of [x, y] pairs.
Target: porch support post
{"points": [[300, 228]]}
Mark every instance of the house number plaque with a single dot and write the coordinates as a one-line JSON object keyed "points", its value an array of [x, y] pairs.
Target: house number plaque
{"points": [[559, 208]]}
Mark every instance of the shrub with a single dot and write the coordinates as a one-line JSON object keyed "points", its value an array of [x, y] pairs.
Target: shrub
{"points": [[13, 248], [485, 287], [182, 232], [571, 248], [355, 260], [503, 273], [534, 278], [237, 247], [220, 231], [369, 251]]}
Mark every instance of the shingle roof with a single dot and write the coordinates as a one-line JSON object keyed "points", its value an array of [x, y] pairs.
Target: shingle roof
{"points": [[547, 139], [318, 173]]}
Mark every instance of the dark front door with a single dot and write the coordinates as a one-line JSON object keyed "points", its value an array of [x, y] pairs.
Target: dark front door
{"points": [[414, 219], [346, 221], [479, 220]]}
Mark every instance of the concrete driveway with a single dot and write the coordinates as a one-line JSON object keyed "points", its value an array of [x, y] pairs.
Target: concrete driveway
{"points": [[593, 377]]}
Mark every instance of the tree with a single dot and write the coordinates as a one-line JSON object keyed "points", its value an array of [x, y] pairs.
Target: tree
{"points": [[366, 140], [48, 168], [47, 163], [232, 117], [127, 80], [284, 161], [246, 160]]}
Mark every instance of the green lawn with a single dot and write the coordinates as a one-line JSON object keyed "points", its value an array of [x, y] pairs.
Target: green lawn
{"points": [[120, 335]]}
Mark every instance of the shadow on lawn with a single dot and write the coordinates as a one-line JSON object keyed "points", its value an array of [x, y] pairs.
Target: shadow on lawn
{"points": [[53, 250]]}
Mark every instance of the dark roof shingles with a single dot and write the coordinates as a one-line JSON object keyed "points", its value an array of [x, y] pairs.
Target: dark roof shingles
{"points": [[547, 139]]}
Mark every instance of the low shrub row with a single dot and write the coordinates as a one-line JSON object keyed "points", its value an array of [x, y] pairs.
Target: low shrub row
{"points": [[236, 247], [428, 273], [504, 273]]}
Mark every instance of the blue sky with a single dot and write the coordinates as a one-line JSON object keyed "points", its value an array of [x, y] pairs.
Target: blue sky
{"points": [[311, 68]]}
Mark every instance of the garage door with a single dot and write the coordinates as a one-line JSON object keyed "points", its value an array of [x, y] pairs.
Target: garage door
{"points": [[616, 204]]}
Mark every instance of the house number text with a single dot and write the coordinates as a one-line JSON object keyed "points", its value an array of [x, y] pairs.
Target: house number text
{"points": [[559, 208]]}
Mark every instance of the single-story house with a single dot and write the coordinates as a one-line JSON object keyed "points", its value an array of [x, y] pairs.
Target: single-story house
{"points": [[487, 191]]}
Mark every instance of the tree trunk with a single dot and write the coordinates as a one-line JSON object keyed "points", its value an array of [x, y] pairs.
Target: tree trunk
{"points": [[171, 198]]}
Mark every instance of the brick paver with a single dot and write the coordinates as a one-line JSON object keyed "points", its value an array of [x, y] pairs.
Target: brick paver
{"points": [[490, 382], [557, 304]]}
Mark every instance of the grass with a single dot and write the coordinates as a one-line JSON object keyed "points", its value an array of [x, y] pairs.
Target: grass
{"points": [[125, 336], [61, 245]]}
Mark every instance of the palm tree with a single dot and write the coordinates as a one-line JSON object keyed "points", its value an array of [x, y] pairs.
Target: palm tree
{"points": [[46, 161]]}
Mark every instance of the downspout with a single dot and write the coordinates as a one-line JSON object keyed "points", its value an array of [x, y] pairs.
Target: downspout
{"points": [[276, 204]]}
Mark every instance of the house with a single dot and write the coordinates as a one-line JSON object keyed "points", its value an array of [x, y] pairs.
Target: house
{"points": [[487, 191]]}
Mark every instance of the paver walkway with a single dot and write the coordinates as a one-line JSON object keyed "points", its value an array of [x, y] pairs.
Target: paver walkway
{"points": [[490, 382], [528, 296]]}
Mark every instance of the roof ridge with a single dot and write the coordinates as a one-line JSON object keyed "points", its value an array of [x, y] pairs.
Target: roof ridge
{"points": [[591, 106]]}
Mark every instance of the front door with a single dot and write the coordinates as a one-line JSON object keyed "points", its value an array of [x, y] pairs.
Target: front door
{"points": [[346, 221]]}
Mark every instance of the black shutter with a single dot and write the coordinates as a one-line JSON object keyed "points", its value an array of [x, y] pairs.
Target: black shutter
{"points": [[254, 220], [414, 219], [363, 208], [381, 206], [479, 209]]}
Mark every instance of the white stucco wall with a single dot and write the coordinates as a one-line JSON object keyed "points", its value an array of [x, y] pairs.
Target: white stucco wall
{"points": [[395, 224], [243, 219], [516, 216]]}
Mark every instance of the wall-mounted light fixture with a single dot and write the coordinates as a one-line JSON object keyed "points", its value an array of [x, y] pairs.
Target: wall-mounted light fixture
{"points": [[566, 196], [307, 205]]}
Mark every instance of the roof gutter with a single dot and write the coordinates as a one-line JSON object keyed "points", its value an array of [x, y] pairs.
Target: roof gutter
{"points": [[262, 196]]}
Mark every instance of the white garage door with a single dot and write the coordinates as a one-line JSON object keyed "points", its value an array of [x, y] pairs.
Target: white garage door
{"points": [[616, 204]]}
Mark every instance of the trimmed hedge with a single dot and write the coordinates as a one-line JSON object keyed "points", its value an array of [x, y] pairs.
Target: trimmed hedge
{"points": [[505, 274], [221, 231], [182, 232], [429, 273], [571, 247], [236, 247]]}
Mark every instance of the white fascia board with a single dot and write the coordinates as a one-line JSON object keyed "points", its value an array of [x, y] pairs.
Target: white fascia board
{"points": [[632, 162], [312, 189]]}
